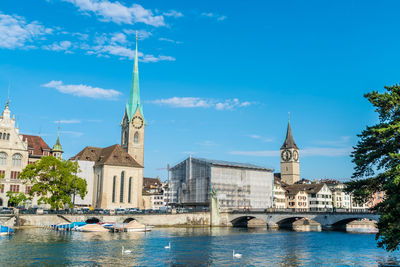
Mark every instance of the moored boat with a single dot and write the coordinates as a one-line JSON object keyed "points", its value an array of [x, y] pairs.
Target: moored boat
{"points": [[4, 230]]}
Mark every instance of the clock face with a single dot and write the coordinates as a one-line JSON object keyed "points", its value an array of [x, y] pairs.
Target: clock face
{"points": [[137, 122], [286, 155], [295, 155]]}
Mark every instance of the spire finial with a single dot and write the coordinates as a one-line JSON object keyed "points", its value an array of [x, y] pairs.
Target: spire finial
{"points": [[137, 32], [8, 97]]}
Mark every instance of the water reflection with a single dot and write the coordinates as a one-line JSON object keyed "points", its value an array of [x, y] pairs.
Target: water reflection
{"points": [[192, 247]]}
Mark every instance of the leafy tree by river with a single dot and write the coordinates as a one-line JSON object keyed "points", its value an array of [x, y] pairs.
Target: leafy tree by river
{"points": [[53, 181], [377, 160]]}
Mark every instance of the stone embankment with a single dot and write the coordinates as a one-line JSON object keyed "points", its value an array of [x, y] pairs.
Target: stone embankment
{"points": [[184, 219]]}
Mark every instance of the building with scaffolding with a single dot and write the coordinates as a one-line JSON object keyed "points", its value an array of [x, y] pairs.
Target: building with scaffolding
{"points": [[237, 186]]}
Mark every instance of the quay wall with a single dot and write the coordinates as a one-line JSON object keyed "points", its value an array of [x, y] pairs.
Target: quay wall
{"points": [[184, 219]]}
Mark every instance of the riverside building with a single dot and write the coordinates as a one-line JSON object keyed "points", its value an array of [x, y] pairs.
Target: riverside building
{"points": [[114, 174], [237, 185], [16, 152]]}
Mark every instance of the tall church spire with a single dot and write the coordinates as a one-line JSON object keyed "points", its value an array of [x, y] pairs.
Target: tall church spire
{"points": [[289, 141], [134, 98]]}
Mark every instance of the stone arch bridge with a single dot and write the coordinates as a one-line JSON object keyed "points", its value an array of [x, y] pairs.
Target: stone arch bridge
{"points": [[328, 220]]}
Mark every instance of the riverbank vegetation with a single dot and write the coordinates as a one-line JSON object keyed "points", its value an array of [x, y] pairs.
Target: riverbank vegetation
{"points": [[52, 181], [377, 160]]}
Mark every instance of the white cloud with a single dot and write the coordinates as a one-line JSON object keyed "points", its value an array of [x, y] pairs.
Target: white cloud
{"points": [[142, 34], [230, 104], [183, 102], [59, 46], [197, 102], [259, 137], [169, 40], [116, 44], [67, 121], [15, 32], [173, 13], [312, 151], [213, 15], [82, 90], [119, 13]]}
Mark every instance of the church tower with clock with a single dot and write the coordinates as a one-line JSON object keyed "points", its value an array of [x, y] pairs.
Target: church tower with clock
{"points": [[290, 167], [133, 123]]}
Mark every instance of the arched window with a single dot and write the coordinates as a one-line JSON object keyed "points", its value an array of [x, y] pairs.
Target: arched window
{"points": [[136, 138], [113, 192], [16, 160], [4, 136], [8, 136], [121, 192], [130, 188], [3, 158]]}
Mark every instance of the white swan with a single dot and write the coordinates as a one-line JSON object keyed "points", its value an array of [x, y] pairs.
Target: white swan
{"points": [[125, 251], [236, 255], [169, 246]]}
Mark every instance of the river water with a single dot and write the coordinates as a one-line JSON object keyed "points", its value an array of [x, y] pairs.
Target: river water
{"points": [[193, 247]]}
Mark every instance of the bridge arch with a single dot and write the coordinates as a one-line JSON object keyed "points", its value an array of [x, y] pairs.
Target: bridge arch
{"points": [[92, 220], [128, 220], [242, 221], [341, 224]]}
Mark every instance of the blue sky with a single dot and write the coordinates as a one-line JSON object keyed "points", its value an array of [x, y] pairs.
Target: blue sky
{"points": [[217, 78]]}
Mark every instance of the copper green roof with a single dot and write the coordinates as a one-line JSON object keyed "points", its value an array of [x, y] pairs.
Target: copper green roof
{"points": [[134, 98], [57, 146]]}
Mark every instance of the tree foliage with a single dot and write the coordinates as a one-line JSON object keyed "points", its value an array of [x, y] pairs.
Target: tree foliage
{"points": [[377, 160], [53, 181]]}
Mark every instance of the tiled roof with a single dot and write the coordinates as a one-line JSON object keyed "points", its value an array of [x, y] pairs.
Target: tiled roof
{"points": [[113, 155], [308, 188], [37, 144], [151, 181]]}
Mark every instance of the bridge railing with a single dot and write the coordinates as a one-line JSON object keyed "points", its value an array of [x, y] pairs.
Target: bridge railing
{"points": [[273, 210]]}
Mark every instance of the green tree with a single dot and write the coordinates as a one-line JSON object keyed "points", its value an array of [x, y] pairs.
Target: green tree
{"points": [[53, 181], [377, 160]]}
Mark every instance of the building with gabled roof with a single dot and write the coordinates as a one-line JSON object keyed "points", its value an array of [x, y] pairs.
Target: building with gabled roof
{"points": [[114, 178], [16, 152]]}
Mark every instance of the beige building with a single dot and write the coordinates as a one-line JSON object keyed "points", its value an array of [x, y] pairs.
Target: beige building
{"points": [[153, 195], [279, 194], [16, 152], [317, 196], [296, 198], [117, 177], [290, 164]]}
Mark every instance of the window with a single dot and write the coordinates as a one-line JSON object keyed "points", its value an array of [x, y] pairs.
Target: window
{"points": [[28, 189], [16, 160], [14, 174], [130, 188], [113, 192], [8, 136], [136, 138], [2, 188], [14, 188], [121, 192], [3, 158]]}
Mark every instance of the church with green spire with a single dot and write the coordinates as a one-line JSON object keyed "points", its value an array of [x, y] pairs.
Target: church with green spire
{"points": [[133, 123], [57, 148]]}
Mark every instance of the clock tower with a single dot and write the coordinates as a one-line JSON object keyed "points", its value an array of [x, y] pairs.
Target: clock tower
{"points": [[133, 123], [290, 169]]}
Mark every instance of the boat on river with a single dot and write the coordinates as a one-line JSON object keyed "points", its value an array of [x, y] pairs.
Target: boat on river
{"points": [[91, 228], [4, 230], [133, 226]]}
